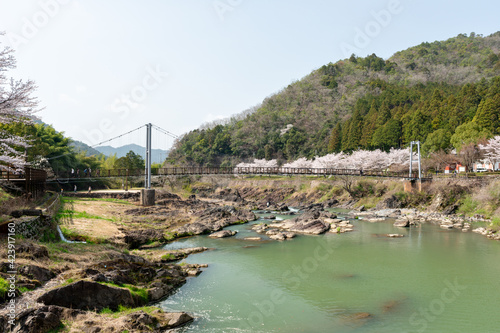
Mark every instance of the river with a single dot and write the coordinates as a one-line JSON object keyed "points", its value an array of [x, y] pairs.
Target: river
{"points": [[431, 280]]}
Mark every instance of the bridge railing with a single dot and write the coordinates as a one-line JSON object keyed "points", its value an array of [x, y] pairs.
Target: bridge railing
{"points": [[8, 175], [180, 171]]}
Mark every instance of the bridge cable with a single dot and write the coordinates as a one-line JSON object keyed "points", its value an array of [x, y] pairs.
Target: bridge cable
{"points": [[100, 143], [165, 132]]}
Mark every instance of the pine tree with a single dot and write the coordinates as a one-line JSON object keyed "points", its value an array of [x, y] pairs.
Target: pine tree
{"points": [[335, 143], [369, 126], [355, 131], [488, 114]]}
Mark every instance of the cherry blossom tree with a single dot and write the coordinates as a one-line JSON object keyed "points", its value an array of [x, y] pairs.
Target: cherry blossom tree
{"points": [[257, 164], [300, 163], [491, 150], [16, 105]]}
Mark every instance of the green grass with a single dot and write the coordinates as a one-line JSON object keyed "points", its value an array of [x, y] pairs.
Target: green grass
{"points": [[77, 236], [81, 215], [4, 287], [495, 223], [61, 328], [169, 236], [468, 206], [122, 310], [139, 292], [24, 289], [120, 201], [4, 195], [168, 257]]}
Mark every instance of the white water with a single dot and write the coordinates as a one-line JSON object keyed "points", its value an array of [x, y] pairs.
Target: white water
{"points": [[64, 238]]}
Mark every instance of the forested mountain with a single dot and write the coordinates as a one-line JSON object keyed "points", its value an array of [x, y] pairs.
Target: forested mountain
{"points": [[422, 93], [79, 146]]}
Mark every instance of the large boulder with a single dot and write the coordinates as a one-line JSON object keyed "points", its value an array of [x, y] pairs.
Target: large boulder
{"points": [[37, 273], [136, 238], [215, 219], [389, 203], [40, 320], [281, 236], [88, 295], [31, 250], [403, 223], [314, 227], [223, 234], [330, 203], [312, 222], [195, 228]]}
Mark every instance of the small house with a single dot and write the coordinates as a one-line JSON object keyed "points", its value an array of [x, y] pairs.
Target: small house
{"points": [[455, 168]]}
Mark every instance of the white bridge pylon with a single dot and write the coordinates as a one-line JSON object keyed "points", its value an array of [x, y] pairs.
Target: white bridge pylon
{"points": [[417, 143]]}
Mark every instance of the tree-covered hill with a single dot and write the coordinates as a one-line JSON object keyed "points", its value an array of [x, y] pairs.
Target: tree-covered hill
{"points": [[424, 92]]}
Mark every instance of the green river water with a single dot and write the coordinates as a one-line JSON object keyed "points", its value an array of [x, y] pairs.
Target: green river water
{"points": [[431, 280]]}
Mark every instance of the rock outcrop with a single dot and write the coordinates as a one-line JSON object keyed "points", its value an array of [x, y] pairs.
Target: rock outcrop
{"points": [[214, 219], [88, 295], [312, 222], [223, 234]]}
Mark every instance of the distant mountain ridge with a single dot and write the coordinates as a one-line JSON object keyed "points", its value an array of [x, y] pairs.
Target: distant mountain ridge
{"points": [[157, 155], [79, 146]]}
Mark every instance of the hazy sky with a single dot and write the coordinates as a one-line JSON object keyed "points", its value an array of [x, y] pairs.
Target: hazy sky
{"points": [[106, 67]]}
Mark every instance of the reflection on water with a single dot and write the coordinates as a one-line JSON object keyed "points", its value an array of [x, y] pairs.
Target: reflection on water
{"points": [[431, 280]]}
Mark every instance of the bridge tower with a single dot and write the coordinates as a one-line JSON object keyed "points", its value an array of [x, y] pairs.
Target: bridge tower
{"points": [[147, 181], [147, 193], [412, 184], [417, 143]]}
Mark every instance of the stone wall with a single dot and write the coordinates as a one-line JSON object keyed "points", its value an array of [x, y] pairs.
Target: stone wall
{"points": [[33, 227], [40, 226]]}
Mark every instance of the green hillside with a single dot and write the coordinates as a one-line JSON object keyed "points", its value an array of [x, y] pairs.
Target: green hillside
{"points": [[424, 92]]}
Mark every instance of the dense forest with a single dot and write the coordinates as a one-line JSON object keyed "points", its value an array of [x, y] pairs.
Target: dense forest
{"points": [[444, 94]]}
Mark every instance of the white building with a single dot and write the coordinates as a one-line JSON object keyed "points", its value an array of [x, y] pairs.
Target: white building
{"points": [[486, 165]]}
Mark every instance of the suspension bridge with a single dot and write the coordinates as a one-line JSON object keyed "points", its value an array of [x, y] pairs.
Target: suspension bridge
{"points": [[33, 181]]}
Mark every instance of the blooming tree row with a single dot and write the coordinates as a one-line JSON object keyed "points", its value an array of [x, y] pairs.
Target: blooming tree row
{"points": [[491, 150], [358, 160]]}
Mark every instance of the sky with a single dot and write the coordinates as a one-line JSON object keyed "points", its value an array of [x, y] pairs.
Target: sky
{"points": [[104, 68]]}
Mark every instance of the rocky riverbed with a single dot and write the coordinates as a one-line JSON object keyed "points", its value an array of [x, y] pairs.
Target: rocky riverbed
{"points": [[412, 217], [120, 270], [86, 291]]}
